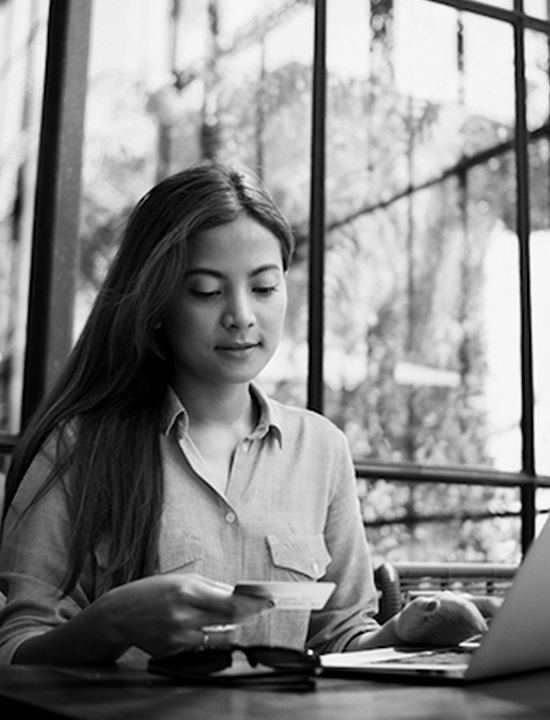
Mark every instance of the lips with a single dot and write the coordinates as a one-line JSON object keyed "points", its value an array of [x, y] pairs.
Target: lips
{"points": [[238, 347]]}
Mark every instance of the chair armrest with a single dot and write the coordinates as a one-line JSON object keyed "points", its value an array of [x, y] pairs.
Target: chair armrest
{"points": [[386, 580]]}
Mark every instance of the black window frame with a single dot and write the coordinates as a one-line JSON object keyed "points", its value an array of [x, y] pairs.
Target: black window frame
{"points": [[527, 479], [54, 246]]}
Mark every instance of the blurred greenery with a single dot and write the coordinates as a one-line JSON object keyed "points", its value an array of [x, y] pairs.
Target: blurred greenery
{"points": [[414, 190]]}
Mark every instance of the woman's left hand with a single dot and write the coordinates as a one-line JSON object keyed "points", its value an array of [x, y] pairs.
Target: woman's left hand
{"points": [[444, 619]]}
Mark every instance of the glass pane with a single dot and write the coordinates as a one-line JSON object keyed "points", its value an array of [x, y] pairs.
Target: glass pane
{"points": [[174, 83], [540, 262], [493, 196], [537, 69], [459, 523], [536, 8], [22, 56], [536, 75], [128, 63], [421, 246], [442, 60], [488, 78], [538, 112]]}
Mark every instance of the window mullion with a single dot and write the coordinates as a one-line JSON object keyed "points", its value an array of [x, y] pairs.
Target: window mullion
{"points": [[55, 230], [523, 232], [317, 214]]}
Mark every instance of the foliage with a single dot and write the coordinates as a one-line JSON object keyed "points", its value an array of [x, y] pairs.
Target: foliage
{"points": [[413, 193]]}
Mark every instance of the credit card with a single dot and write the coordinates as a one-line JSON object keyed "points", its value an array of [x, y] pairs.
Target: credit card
{"points": [[288, 595]]}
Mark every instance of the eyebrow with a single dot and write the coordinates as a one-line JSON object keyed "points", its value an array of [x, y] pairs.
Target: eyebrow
{"points": [[218, 274]]}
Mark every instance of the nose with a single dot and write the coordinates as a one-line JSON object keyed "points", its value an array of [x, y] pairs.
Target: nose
{"points": [[239, 312]]}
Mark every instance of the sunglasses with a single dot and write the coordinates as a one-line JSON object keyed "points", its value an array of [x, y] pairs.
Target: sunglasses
{"points": [[202, 662]]}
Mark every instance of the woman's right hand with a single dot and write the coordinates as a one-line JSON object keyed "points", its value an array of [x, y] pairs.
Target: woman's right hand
{"points": [[447, 618], [165, 613]]}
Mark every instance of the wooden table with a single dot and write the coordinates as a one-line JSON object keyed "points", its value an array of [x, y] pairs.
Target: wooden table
{"points": [[132, 694]]}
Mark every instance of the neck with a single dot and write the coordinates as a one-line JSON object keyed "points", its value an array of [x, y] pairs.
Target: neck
{"points": [[221, 406]]}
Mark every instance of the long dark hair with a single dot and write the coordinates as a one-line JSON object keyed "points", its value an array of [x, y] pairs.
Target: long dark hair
{"points": [[105, 412]]}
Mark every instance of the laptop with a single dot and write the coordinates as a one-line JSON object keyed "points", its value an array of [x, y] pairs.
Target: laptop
{"points": [[518, 639]]}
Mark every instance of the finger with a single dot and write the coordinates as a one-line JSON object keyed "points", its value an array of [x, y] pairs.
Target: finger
{"points": [[246, 608], [459, 620], [218, 635], [225, 588], [202, 618], [186, 639], [207, 594], [442, 620], [426, 605], [487, 605], [191, 638], [460, 609]]}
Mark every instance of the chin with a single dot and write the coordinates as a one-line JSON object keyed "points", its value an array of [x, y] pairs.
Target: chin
{"points": [[240, 378]]}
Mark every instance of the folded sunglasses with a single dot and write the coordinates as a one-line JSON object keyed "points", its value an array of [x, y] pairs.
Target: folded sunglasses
{"points": [[237, 662]]}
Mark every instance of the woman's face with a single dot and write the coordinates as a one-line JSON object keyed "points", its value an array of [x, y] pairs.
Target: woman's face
{"points": [[226, 322]]}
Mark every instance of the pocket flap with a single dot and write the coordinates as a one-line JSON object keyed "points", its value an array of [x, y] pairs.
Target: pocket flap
{"points": [[180, 552], [306, 554]]}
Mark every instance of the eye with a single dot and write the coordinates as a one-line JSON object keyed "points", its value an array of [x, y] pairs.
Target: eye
{"points": [[265, 290], [205, 294], [204, 288]]}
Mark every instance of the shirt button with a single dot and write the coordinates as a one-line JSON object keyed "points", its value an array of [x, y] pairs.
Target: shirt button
{"points": [[230, 517]]}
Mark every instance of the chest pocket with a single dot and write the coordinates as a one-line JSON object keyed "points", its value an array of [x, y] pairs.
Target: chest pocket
{"points": [[298, 556], [183, 553]]}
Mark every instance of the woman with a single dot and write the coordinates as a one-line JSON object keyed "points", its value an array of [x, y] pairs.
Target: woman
{"points": [[157, 474]]}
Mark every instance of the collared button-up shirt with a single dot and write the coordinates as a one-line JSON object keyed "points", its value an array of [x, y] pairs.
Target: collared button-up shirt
{"points": [[289, 512]]}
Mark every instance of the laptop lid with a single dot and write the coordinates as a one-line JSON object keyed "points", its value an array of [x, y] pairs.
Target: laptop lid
{"points": [[518, 638], [516, 642]]}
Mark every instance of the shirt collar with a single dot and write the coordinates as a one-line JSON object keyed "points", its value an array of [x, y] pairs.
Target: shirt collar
{"points": [[175, 415]]}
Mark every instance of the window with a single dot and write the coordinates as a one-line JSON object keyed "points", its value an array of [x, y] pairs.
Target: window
{"points": [[22, 57], [408, 143]]}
